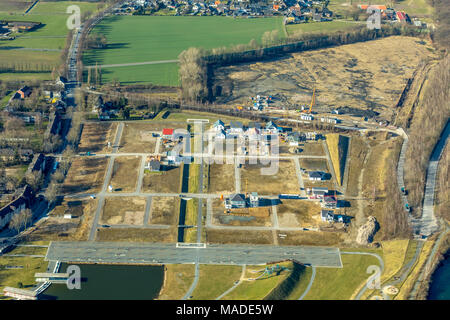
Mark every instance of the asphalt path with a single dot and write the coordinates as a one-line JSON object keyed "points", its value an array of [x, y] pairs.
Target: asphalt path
{"points": [[167, 253]]}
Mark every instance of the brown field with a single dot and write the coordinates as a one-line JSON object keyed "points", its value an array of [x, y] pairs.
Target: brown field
{"points": [[221, 178], [237, 236], [367, 75], [242, 217], [125, 173], [165, 181], [298, 213], [137, 137], [85, 175], [14, 6], [313, 148], [285, 181], [358, 153], [56, 228], [123, 210], [314, 164], [137, 235], [165, 210], [310, 238], [95, 136]]}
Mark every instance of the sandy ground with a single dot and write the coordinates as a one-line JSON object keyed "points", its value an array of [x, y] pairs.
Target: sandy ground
{"points": [[368, 75]]}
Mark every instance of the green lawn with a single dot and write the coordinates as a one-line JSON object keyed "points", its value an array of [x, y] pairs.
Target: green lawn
{"points": [[341, 283], [215, 280], [155, 38], [316, 27]]}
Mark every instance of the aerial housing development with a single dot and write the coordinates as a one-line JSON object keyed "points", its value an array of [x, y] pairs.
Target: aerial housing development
{"points": [[224, 150]]}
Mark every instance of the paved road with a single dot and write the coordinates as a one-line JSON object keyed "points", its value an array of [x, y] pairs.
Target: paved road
{"points": [[299, 177], [235, 285], [427, 224], [101, 196], [132, 64], [147, 213], [237, 177], [167, 253], [311, 281]]}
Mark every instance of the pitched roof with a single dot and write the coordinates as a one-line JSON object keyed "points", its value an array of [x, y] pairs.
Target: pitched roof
{"points": [[218, 123], [236, 125], [237, 197], [315, 174]]}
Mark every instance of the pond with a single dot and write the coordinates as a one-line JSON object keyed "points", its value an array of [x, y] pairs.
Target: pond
{"points": [[110, 282]]}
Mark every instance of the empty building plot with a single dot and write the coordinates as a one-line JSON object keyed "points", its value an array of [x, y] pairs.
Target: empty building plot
{"points": [[95, 137], [165, 210], [283, 180], [123, 210], [85, 175], [125, 173], [221, 178], [166, 180], [139, 137]]}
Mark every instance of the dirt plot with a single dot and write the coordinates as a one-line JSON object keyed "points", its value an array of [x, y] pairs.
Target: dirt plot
{"points": [[125, 173], [56, 228], [123, 210], [165, 210], [85, 175], [221, 178], [284, 181], [313, 238], [167, 181], [313, 149], [298, 213], [138, 137], [367, 75], [237, 236], [95, 137], [226, 219], [137, 235], [314, 164]]}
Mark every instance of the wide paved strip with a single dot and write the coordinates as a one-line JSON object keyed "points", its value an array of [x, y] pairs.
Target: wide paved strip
{"points": [[168, 253]]}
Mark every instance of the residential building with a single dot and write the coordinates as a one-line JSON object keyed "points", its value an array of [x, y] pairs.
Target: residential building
{"points": [[167, 133], [316, 175], [236, 200]]}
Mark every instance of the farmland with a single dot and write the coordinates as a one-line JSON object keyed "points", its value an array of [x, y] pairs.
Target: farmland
{"points": [[37, 52], [145, 38]]}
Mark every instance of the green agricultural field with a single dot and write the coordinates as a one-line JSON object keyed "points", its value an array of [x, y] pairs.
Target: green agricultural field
{"points": [[34, 54], [316, 27], [134, 39]]}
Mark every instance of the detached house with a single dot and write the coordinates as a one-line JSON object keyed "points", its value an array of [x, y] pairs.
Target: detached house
{"points": [[316, 175], [167, 133], [272, 128], [236, 200], [236, 127]]}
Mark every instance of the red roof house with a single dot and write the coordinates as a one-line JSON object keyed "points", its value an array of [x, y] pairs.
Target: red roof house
{"points": [[167, 133]]}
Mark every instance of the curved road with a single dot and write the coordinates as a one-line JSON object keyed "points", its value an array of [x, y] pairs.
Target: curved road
{"points": [[313, 276]]}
